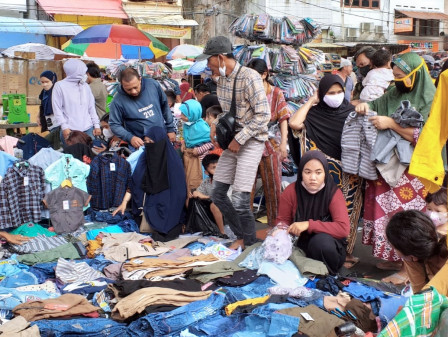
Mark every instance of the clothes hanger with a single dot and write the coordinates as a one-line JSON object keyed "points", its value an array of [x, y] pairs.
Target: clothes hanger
{"points": [[66, 183]]}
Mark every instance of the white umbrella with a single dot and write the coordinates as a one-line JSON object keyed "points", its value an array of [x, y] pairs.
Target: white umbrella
{"points": [[183, 51], [180, 64], [42, 51]]}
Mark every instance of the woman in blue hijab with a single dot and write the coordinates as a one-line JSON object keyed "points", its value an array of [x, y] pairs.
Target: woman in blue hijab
{"points": [[158, 184]]}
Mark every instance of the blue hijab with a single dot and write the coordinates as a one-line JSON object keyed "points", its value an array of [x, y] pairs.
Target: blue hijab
{"points": [[163, 210], [196, 130], [45, 95]]}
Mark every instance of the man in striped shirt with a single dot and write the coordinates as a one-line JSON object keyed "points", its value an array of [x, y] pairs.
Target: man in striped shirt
{"points": [[239, 163]]}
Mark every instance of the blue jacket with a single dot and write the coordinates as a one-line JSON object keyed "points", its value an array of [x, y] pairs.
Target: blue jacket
{"points": [[131, 116]]}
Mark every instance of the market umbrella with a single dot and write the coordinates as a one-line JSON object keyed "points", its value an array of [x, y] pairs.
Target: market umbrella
{"points": [[180, 64], [198, 68], [42, 51], [183, 51], [116, 41]]}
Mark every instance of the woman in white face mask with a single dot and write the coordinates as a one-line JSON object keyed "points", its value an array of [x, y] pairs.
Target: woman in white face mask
{"points": [[106, 135], [318, 125]]}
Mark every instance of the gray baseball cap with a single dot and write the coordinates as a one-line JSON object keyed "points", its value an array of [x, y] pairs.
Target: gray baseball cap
{"points": [[214, 46]]}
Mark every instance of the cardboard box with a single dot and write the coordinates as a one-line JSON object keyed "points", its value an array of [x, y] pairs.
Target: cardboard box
{"points": [[25, 54], [13, 76], [35, 68]]}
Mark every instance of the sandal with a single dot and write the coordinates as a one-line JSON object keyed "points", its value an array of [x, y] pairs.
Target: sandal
{"points": [[350, 263], [396, 279]]}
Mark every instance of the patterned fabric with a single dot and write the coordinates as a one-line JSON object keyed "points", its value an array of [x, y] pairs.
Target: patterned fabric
{"points": [[37, 244], [206, 187], [381, 202], [108, 180], [203, 150], [419, 317], [70, 271], [252, 107], [270, 165], [21, 193], [350, 185]]}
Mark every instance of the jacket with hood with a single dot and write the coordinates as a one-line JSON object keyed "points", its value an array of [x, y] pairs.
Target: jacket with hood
{"points": [[131, 116], [73, 101]]}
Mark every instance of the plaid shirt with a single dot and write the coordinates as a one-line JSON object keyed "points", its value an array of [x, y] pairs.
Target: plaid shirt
{"points": [[253, 110], [419, 317], [107, 187], [21, 193]]}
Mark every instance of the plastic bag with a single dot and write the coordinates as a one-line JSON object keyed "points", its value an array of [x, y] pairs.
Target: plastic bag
{"points": [[200, 218], [278, 244]]}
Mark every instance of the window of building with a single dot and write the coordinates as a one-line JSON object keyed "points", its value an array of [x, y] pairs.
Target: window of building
{"points": [[369, 4], [429, 27]]}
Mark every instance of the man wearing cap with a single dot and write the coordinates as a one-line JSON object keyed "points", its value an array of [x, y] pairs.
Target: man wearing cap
{"points": [[239, 163], [344, 72]]}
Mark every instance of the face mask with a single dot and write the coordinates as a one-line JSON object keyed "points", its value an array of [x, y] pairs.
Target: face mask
{"points": [[313, 192], [401, 87], [438, 218], [364, 70], [334, 101], [222, 70], [400, 83], [107, 134]]}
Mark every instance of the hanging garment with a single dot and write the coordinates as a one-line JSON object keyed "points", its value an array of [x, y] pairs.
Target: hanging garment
{"points": [[21, 193], [67, 167], [358, 139], [33, 144], [7, 144], [66, 208], [108, 180], [6, 161], [45, 157]]}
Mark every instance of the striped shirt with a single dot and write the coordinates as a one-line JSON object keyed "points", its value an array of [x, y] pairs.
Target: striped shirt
{"points": [[253, 110]]}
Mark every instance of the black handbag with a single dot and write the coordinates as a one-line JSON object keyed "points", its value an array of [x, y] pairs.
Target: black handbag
{"points": [[225, 129]]}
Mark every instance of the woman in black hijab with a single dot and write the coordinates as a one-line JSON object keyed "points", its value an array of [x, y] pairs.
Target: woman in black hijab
{"points": [[318, 125], [315, 210]]}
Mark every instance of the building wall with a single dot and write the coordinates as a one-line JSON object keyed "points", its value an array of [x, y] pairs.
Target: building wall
{"points": [[213, 17], [332, 17]]}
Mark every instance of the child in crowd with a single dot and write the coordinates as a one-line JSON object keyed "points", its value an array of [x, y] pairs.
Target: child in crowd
{"points": [[205, 190], [378, 79], [171, 96], [196, 143], [210, 115], [436, 209], [424, 253]]}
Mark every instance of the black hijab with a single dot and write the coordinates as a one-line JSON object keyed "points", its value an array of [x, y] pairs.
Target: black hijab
{"points": [[324, 124], [314, 206], [46, 107]]}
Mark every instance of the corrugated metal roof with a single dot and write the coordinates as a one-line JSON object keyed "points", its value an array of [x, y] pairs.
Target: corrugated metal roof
{"points": [[156, 13], [104, 8], [17, 25], [424, 15]]}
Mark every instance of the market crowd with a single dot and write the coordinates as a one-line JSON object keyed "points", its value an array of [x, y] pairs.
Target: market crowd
{"points": [[156, 199]]}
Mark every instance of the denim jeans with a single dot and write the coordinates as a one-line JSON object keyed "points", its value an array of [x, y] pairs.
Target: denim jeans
{"points": [[43, 271], [172, 322], [92, 327], [257, 288], [243, 225]]}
